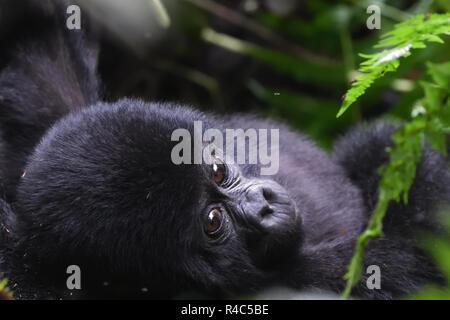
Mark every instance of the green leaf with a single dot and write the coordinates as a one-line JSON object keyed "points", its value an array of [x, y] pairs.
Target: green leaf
{"points": [[3, 284], [440, 74], [407, 35], [4, 291], [398, 174], [439, 248], [431, 293]]}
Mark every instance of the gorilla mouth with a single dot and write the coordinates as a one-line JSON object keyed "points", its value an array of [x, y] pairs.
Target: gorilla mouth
{"points": [[279, 239]]}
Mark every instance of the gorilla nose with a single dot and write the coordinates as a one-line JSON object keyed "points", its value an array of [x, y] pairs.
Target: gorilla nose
{"points": [[268, 203], [260, 197]]}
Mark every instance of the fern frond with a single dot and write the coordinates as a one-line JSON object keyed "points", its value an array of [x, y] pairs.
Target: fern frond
{"points": [[398, 174], [407, 35]]}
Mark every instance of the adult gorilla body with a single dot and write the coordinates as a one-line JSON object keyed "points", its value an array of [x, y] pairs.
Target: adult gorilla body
{"points": [[100, 191]]}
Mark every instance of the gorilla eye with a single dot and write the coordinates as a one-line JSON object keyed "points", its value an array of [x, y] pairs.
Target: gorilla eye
{"points": [[213, 221], [219, 171]]}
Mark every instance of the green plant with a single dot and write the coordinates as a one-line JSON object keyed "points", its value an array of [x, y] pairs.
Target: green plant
{"points": [[5, 293], [430, 119], [439, 248], [407, 35]]}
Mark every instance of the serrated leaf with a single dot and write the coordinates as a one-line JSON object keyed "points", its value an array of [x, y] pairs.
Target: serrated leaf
{"points": [[407, 35], [398, 174]]}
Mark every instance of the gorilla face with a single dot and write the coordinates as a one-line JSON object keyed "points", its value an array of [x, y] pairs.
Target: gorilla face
{"points": [[258, 211], [101, 192], [245, 228]]}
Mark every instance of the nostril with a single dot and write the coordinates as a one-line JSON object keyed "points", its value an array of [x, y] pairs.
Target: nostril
{"points": [[268, 193], [266, 210]]}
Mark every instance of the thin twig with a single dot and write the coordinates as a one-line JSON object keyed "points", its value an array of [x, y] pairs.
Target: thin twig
{"points": [[161, 13]]}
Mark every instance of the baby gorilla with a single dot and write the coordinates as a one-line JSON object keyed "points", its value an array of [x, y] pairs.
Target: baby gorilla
{"points": [[96, 187], [100, 191]]}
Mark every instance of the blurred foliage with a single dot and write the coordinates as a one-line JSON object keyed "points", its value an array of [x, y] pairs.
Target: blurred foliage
{"points": [[5, 293], [223, 53], [439, 248]]}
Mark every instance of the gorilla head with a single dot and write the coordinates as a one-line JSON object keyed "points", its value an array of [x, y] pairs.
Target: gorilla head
{"points": [[101, 192]]}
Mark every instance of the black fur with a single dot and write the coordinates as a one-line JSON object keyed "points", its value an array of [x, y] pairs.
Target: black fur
{"points": [[93, 184], [48, 61], [363, 150]]}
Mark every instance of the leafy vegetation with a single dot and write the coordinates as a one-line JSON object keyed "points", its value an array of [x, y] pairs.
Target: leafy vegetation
{"points": [[439, 247], [430, 119], [5, 293], [410, 34]]}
